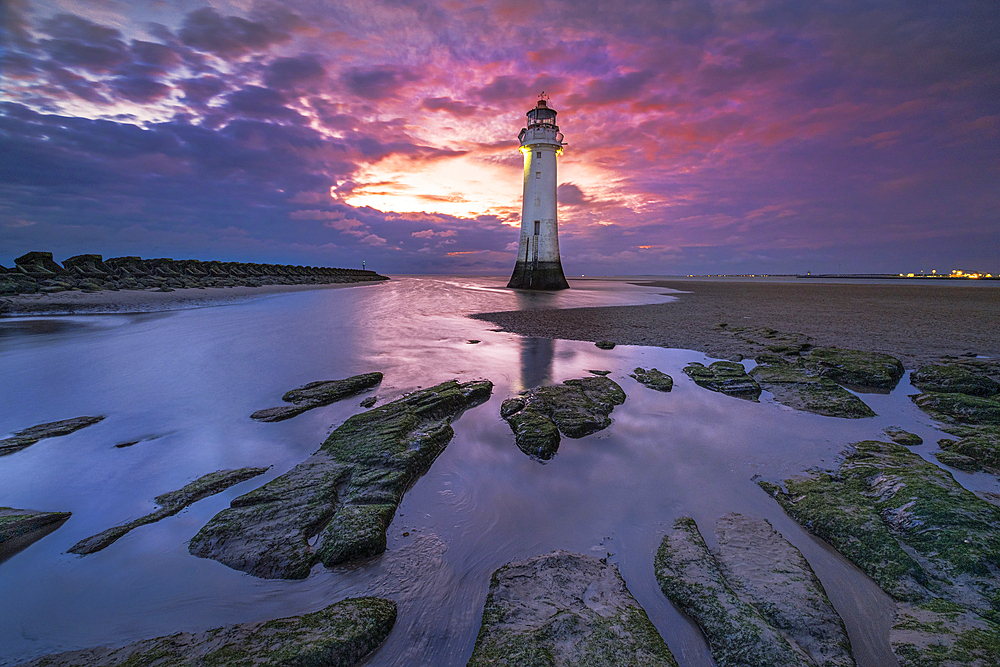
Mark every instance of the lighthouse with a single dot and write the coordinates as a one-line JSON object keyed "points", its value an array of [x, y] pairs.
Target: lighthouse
{"points": [[538, 266]]}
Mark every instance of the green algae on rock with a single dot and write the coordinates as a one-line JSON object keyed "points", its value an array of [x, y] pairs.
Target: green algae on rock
{"points": [[605, 344], [340, 635], [33, 434], [983, 448], [21, 528], [939, 633], [959, 408], [885, 498], [857, 367], [737, 633], [317, 394], [803, 387], [336, 505], [170, 504], [575, 408], [764, 569], [954, 378], [901, 437], [725, 377], [565, 609], [654, 379]]}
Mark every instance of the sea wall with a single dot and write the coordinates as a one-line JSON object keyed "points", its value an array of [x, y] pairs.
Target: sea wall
{"points": [[37, 272]]}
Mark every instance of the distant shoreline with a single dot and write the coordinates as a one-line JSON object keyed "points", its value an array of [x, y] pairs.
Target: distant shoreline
{"points": [[918, 323], [146, 301]]}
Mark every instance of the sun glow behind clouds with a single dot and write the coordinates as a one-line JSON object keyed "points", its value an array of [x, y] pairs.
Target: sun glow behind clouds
{"points": [[464, 186]]}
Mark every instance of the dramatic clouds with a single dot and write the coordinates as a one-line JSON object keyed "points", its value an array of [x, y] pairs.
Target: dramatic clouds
{"points": [[703, 136]]}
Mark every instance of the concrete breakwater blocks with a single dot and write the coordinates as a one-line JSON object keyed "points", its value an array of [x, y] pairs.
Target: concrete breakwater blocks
{"points": [[38, 272], [335, 506], [564, 608]]}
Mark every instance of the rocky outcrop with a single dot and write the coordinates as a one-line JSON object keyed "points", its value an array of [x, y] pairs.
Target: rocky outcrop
{"points": [[38, 272], [30, 436], [21, 528], [954, 378], [653, 378], [340, 635], [605, 344], [927, 541], [757, 601], [565, 609], [804, 387], [316, 394], [857, 367], [975, 452], [901, 437], [170, 504], [336, 505], [725, 377], [575, 408]]}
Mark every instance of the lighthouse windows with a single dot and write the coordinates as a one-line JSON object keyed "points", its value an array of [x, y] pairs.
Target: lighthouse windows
{"points": [[538, 174], [538, 154], [538, 225]]}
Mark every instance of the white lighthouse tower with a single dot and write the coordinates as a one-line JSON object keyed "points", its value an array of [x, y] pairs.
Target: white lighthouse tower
{"points": [[538, 265]]}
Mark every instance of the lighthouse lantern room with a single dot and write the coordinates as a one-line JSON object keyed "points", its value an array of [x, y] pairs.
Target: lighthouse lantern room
{"points": [[538, 265]]}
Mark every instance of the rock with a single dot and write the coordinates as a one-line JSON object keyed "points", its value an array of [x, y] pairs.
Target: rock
{"points": [[942, 633], [857, 367], [19, 529], [737, 633], [983, 448], [170, 504], [803, 388], [762, 568], [725, 377], [565, 609], [576, 408], [369, 402], [474, 341], [906, 523], [340, 635], [30, 436], [39, 265], [653, 379], [336, 505], [960, 408], [958, 461], [602, 373], [316, 394], [954, 379], [605, 344], [901, 437]]}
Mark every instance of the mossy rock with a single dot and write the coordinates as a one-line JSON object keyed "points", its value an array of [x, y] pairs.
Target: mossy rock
{"points": [[334, 507], [340, 635], [565, 609], [725, 377], [982, 447], [958, 461], [576, 408], [884, 498], [30, 436], [954, 379], [901, 437], [960, 408], [940, 633], [21, 528], [654, 379], [857, 367], [605, 344], [737, 633], [317, 394], [804, 388]]}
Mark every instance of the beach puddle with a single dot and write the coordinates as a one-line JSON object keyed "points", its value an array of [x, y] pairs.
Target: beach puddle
{"points": [[194, 377]]}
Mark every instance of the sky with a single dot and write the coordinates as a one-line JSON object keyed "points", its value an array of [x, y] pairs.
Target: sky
{"points": [[703, 136]]}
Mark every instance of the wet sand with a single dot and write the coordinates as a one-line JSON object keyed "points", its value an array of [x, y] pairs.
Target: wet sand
{"points": [[918, 323], [141, 301]]}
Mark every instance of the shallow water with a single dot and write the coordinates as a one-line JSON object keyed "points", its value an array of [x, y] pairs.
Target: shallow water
{"points": [[185, 383]]}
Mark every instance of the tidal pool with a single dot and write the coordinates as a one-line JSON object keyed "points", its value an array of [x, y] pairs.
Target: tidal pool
{"points": [[184, 383]]}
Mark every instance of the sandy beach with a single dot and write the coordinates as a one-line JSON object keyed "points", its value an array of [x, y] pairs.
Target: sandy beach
{"points": [[141, 301], [918, 323]]}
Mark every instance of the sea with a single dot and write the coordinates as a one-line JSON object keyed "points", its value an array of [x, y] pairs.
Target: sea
{"points": [[183, 383]]}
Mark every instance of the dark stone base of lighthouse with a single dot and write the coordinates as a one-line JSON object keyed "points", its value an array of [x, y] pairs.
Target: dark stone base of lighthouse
{"points": [[538, 276]]}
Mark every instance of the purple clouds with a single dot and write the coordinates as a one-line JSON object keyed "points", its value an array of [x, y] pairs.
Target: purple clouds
{"points": [[702, 137]]}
